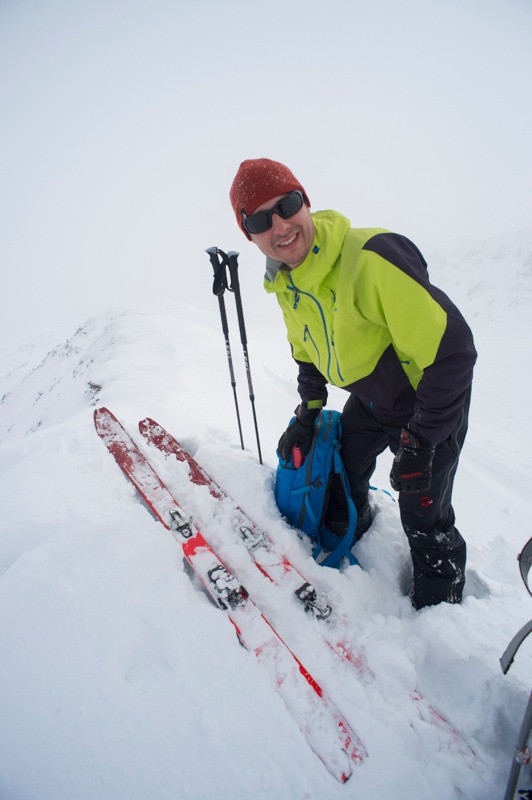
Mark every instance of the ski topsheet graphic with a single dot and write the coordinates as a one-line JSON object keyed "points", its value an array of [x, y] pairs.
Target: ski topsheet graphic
{"points": [[325, 728]]}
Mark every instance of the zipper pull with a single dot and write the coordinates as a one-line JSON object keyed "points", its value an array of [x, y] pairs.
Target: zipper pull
{"points": [[293, 288]]}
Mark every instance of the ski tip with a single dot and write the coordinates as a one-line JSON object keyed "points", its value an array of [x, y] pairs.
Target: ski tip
{"points": [[103, 418], [101, 412], [147, 423]]}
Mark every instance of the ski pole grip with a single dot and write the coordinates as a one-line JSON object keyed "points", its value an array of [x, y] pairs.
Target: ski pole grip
{"points": [[220, 278], [297, 457], [232, 262]]}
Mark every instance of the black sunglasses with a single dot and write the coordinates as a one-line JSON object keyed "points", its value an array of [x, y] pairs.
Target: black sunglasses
{"points": [[262, 220]]}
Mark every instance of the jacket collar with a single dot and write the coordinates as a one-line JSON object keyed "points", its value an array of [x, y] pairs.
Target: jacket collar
{"points": [[331, 228]]}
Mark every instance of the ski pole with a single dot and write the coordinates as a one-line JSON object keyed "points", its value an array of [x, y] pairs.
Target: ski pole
{"points": [[232, 258], [219, 287]]}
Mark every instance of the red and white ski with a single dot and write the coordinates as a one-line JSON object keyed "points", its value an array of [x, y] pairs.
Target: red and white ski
{"points": [[276, 566], [327, 731]]}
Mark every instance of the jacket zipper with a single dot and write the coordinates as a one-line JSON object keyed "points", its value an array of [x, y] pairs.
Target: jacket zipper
{"points": [[336, 359], [297, 295], [307, 335]]}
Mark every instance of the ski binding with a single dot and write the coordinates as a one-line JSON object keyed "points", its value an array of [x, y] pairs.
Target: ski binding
{"points": [[228, 590], [252, 538], [314, 601]]}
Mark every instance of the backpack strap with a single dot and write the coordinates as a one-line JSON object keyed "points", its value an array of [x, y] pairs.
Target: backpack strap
{"points": [[343, 548], [305, 490]]}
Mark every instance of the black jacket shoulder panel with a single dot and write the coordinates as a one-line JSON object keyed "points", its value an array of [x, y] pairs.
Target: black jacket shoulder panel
{"points": [[400, 252]]}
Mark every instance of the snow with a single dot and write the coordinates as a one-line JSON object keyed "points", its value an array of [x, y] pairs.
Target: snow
{"points": [[119, 679]]}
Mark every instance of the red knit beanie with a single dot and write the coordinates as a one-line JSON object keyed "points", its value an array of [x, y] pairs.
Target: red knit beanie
{"points": [[257, 181]]}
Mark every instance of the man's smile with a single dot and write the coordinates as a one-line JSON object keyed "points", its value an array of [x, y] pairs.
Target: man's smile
{"points": [[287, 242]]}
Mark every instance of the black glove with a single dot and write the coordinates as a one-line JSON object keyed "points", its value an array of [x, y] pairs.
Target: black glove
{"points": [[412, 466], [299, 433]]}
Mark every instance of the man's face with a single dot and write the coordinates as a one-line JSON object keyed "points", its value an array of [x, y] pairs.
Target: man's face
{"points": [[288, 240]]}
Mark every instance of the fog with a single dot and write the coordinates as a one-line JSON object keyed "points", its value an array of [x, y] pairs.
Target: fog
{"points": [[123, 124]]}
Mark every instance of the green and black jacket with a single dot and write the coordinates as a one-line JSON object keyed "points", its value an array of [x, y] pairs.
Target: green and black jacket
{"points": [[361, 314]]}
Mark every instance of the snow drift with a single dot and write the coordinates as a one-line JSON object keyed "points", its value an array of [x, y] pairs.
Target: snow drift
{"points": [[119, 679]]}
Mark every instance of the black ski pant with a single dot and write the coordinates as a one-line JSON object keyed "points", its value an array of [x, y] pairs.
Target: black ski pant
{"points": [[437, 548]]}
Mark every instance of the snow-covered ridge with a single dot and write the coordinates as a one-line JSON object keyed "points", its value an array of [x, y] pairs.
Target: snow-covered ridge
{"points": [[54, 381], [47, 391]]}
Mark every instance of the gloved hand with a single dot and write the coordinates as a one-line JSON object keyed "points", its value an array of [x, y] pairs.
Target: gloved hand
{"points": [[299, 433], [412, 466]]}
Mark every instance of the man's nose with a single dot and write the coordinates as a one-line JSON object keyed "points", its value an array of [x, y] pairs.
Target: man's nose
{"points": [[279, 225]]}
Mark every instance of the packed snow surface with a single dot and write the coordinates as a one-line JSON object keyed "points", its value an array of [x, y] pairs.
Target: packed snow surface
{"points": [[119, 679]]}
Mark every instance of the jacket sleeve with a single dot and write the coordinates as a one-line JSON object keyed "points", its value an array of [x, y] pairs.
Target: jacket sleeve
{"points": [[311, 384], [424, 325]]}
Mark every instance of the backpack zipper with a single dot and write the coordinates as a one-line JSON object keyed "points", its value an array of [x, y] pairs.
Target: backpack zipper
{"points": [[308, 471]]}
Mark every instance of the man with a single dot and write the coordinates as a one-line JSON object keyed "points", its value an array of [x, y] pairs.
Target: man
{"points": [[361, 314]]}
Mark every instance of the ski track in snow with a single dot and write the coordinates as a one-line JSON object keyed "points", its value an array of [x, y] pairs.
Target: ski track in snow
{"points": [[118, 677]]}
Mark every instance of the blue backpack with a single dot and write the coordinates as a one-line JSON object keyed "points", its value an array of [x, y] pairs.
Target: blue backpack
{"points": [[302, 492]]}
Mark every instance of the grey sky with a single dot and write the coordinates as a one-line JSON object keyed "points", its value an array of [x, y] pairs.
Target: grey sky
{"points": [[123, 124]]}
